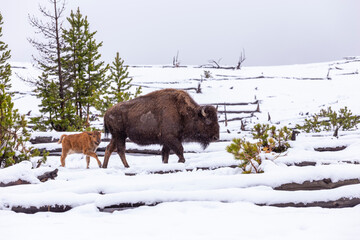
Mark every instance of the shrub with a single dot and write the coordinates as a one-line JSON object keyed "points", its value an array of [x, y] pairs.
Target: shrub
{"points": [[271, 138], [13, 140], [207, 74], [248, 153], [329, 120]]}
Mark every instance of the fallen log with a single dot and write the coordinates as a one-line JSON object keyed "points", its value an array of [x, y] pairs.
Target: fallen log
{"points": [[31, 210], [48, 175], [310, 163], [304, 164], [316, 185], [13, 183], [49, 139], [101, 151], [42, 139], [183, 170], [236, 119], [125, 206], [237, 112], [340, 203], [43, 178], [330, 149], [235, 104]]}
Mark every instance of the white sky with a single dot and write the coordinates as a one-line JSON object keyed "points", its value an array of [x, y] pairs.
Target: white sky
{"points": [[272, 32]]}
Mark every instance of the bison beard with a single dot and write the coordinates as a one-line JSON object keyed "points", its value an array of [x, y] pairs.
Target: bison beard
{"points": [[167, 117]]}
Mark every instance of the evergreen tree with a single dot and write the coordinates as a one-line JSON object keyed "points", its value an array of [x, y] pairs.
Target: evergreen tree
{"points": [[13, 132], [74, 59], [96, 74], [118, 85], [86, 71], [56, 107]]}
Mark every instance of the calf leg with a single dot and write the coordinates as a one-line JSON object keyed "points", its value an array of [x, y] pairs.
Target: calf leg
{"points": [[121, 150], [109, 150], [87, 161], [165, 154], [62, 158], [91, 154]]}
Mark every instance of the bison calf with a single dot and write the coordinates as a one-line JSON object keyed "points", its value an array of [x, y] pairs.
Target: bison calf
{"points": [[167, 117], [85, 143]]}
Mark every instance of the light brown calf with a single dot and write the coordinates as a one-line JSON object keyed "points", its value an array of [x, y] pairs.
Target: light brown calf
{"points": [[85, 143]]}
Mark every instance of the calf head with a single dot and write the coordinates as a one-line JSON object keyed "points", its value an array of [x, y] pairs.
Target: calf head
{"points": [[95, 137]]}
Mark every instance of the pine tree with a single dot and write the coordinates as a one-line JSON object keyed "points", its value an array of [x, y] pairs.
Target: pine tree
{"points": [[96, 71], [118, 85], [60, 113], [13, 131], [86, 71], [329, 119], [74, 59]]}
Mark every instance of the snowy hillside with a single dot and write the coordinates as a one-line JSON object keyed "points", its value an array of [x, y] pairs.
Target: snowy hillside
{"points": [[207, 197]]}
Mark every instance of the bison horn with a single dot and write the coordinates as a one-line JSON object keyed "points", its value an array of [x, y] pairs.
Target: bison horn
{"points": [[203, 112]]}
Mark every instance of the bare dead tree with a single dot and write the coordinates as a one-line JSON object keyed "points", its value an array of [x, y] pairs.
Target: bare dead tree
{"points": [[215, 64], [242, 58], [258, 107], [226, 120], [50, 48], [328, 73], [176, 62], [198, 90], [242, 127]]}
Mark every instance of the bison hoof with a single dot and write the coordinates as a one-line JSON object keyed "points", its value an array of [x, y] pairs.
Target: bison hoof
{"points": [[181, 161]]}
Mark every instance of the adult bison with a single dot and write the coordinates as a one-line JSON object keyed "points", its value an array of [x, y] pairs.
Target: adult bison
{"points": [[167, 117]]}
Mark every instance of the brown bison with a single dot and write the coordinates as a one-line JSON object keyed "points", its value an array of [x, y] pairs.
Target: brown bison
{"points": [[167, 117], [86, 143]]}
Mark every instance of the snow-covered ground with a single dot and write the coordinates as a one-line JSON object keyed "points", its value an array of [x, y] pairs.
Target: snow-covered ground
{"points": [[202, 204]]}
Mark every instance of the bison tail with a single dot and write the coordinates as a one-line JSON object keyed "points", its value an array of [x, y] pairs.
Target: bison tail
{"points": [[106, 129], [61, 138]]}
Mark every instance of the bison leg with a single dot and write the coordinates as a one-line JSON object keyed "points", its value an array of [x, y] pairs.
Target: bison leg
{"points": [[121, 151], [165, 154], [109, 150], [91, 154], [175, 145]]}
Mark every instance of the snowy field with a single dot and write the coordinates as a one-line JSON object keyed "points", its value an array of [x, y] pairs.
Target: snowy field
{"points": [[207, 198]]}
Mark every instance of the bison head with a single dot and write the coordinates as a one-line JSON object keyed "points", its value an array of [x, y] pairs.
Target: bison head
{"points": [[207, 126], [95, 137]]}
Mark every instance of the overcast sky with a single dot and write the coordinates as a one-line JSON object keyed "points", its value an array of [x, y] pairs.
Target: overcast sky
{"points": [[272, 32]]}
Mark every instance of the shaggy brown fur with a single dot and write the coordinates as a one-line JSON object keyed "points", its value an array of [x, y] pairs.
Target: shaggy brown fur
{"points": [[167, 117], [85, 143]]}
